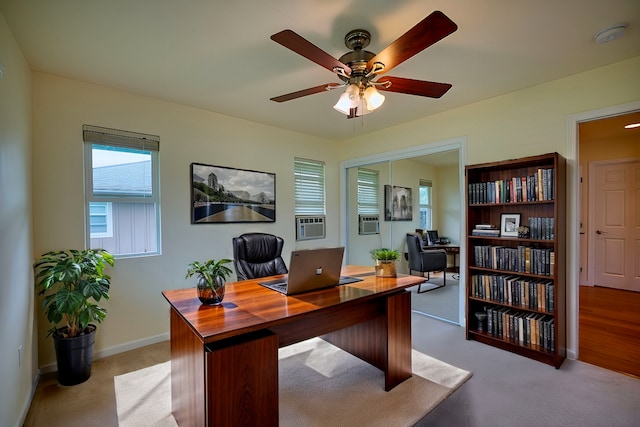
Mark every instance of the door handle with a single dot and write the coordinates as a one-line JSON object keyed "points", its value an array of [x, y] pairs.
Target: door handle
{"points": [[600, 232]]}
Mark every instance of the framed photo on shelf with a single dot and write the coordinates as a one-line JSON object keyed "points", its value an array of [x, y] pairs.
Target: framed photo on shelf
{"points": [[509, 223]]}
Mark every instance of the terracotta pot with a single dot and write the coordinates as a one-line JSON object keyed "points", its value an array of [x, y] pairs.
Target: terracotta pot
{"points": [[385, 268]]}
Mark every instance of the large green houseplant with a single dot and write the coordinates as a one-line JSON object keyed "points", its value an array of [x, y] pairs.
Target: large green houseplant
{"points": [[72, 283], [385, 261], [212, 276]]}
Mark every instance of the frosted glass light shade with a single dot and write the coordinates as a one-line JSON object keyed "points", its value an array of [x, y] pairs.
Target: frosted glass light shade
{"points": [[348, 100], [373, 97]]}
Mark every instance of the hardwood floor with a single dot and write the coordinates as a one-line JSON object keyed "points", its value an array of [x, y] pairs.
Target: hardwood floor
{"points": [[609, 329]]}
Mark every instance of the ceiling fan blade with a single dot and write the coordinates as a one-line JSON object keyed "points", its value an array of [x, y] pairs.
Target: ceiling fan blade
{"points": [[312, 90], [431, 29], [301, 46], [414, 87]]}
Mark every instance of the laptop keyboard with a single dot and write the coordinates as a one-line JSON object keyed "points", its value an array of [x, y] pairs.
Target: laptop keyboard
{"points": [[345, 280], [281, 285]]}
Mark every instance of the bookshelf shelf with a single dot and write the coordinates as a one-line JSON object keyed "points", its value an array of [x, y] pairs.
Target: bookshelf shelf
{"points": [[518, 282], [507, 272]]}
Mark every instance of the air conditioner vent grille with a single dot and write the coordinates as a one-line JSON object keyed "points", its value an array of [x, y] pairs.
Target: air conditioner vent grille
{"points": [[310, 227], [368, 224]]}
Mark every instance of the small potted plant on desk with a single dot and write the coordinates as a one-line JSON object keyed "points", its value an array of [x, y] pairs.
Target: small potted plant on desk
{"points": [[212, 276], [73, 282], [385, 261]]}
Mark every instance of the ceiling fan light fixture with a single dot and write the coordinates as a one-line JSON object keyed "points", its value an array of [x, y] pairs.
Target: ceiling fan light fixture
{"points": [[348, 100], [362, 108], [373, 98]]}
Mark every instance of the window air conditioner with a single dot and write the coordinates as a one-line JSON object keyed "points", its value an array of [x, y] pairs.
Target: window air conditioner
{"points": [[368, 224], [310, 227]]}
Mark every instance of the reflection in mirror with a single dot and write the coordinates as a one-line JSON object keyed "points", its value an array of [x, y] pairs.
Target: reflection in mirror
{"points": [[419, 193], [366, 226], [424, 192]]}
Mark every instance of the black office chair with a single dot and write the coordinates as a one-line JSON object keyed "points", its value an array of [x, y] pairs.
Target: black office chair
{"points": [[425, 261], [258, 255]]}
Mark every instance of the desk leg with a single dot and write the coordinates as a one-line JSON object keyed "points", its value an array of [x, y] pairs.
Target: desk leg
{"points": [[187, 374], [383, 341], [399, 340]]}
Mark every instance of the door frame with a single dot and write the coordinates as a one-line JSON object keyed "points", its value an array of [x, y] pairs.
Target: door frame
{"points": [[573, 214]]}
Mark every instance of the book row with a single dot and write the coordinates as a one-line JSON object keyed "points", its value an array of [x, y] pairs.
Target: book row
{"points": [[542, 228], [527, 329], [514, 290], [536, 187], [522, 259]]}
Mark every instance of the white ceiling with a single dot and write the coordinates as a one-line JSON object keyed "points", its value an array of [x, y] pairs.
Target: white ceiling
{"points": [[217, 55]]}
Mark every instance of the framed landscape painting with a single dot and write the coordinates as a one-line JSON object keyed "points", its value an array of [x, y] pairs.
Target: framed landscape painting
{"points": [[224, 195]]}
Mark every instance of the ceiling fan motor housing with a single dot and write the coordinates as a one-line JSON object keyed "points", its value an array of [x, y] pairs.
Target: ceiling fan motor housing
{"points": [[358, 58]]}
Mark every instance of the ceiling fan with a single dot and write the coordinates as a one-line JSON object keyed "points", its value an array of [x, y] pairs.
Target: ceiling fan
{"points": [[360, 70]]}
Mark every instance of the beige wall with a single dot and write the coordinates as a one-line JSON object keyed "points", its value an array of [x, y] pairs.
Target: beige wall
{"points": [[522, 123], [16, 278], [448, 203], [136, 309]]}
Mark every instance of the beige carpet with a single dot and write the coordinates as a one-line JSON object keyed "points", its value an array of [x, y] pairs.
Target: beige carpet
{"points": [[320, 385]]}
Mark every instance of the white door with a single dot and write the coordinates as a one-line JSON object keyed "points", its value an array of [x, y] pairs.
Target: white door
{"points": [[614, 232]]}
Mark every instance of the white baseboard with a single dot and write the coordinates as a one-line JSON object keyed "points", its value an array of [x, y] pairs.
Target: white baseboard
{"points": [[120, 348]]}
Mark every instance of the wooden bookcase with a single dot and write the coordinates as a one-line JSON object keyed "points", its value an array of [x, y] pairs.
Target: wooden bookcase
{"points": [[518, 281]]}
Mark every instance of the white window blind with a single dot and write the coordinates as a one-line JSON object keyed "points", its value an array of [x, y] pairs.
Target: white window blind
{"points": [[368, 190], [309, 176]]}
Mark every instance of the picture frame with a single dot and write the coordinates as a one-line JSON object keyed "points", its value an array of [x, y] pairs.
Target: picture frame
{"points": [[509, 223], [221, 194], [398, 203]]}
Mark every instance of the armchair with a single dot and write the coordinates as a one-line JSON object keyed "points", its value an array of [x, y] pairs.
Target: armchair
{"points": [[258, 255], [425, 261]]}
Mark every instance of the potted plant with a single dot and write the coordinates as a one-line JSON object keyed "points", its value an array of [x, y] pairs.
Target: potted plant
{"points": [[385, 261], [73, 282], [212, 276]]}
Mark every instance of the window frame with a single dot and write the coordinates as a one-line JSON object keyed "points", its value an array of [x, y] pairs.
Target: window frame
{"points": [[125, 140], [425, 183]]}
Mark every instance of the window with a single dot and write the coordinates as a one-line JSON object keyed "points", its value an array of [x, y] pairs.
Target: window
{"points": [[100, 219], [123, 198], [426, 204], [309, 187], [368, 189]]}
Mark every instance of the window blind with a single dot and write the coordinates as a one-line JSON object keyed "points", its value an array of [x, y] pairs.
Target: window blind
{"points": [[120, 138], [309, 176], [368, 190]]}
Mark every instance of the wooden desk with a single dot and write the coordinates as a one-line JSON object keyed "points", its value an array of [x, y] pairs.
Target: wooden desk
{"points": [[224, 359]]}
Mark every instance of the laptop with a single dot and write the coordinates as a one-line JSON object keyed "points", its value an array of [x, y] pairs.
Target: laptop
{"points": [[311, 269]]}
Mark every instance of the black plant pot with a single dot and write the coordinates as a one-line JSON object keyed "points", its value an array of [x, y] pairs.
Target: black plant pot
{"points": [[74, 356]]}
